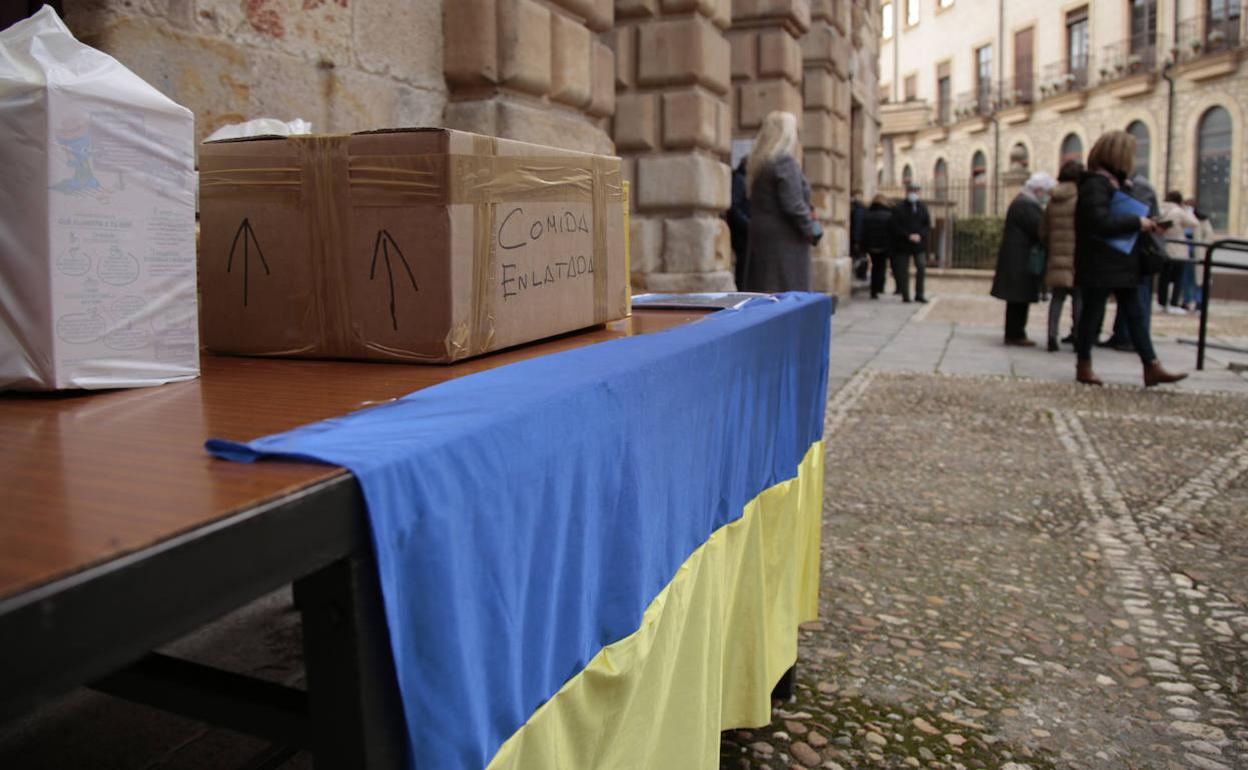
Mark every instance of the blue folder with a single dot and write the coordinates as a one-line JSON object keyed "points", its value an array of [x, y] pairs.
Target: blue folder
{"points": [[1125, 204]]}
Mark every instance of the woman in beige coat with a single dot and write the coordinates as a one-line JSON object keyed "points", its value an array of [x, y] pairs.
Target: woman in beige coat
{"points": [[1058, 234]]}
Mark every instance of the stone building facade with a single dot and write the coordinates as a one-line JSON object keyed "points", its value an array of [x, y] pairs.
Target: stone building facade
{"points": [[1027, 84], [666, 84]]}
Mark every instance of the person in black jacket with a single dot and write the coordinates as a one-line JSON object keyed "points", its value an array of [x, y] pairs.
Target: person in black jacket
{"points": [[1101, 268], [911, 225], [857, 218], [877, 241], [1016, 280], [738, 217]]}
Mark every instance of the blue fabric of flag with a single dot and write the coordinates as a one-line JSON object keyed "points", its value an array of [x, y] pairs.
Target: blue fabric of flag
{"points": [[525, 517]]}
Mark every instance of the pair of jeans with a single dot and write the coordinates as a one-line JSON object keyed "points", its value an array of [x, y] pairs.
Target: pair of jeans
{"points": [[1187, 284], [1122, 332], [1016, 320], [1057, 299], [901, 271], [1130, 309]]}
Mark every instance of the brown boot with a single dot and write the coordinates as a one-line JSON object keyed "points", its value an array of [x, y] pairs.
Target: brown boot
{"points": [[1084, 374], [1155, 375]]}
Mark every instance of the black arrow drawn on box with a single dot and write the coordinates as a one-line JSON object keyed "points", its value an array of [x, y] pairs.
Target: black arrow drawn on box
{"points": [[382, 246], [249, 237]]}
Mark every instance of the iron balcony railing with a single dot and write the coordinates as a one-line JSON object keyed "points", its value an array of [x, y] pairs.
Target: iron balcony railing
{"points": [[1019, 91], [1127, 58], [1205, 36], [978, 103], [1066, 77]]}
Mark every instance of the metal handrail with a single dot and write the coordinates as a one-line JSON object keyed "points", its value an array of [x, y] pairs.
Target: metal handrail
{"points": [[1226, 244]]}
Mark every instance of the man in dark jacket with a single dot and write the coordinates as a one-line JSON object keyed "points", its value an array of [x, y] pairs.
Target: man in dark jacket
{"points": [[738, 217], [857, 217], [911, 226], [877, 241]]}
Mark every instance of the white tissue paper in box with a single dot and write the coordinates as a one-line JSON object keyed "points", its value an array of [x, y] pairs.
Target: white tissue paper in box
{"points": [[97, 219]]}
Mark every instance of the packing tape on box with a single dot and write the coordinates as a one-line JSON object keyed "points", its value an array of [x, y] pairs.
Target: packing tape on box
{"points": [[483, 180]]}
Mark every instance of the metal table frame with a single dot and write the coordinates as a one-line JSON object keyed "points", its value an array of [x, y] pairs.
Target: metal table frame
{"points": [[317, 538]]}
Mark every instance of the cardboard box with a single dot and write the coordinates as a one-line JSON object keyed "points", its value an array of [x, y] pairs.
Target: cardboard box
{"points": [[419, 245], [97, 219]]}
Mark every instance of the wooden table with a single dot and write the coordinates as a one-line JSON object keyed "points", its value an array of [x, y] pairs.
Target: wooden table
{"points": [[119, 534]]}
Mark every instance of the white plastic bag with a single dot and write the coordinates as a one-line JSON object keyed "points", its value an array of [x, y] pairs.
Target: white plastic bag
{"points": [[97, 219], [261, 127]]}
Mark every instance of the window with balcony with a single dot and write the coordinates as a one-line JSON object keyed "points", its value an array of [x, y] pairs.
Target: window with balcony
{"points": [[886, 20], [1024, 67], [1213, 165], [1077, 46], [1221, 23], [983, 78], [912, 87], [1143, 146], [912, 12], [944, 95], [1143, 27]]}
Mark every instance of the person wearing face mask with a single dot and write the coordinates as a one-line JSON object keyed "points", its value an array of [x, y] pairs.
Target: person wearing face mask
{"points": [[910, 225], [1020, 260], [1110, 245]]}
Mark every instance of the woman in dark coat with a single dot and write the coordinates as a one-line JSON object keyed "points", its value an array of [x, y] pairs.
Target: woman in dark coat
{"points": [[1014, 280], [877, 241], [782, 228], [1100, 268]]}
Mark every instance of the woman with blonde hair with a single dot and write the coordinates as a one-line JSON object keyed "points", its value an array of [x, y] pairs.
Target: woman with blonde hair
{"points": [[782, 227], [1106, 260]]}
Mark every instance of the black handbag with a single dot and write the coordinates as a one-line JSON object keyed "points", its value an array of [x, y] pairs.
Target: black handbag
{"points": [[1151, 253]]}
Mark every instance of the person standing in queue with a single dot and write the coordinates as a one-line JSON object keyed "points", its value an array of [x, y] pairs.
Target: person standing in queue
{"points": [[738, 218], [1059, 241], [857, 220], [911, 226], [782, 226], [1104, 264], [877, 241], [1020, 260]]}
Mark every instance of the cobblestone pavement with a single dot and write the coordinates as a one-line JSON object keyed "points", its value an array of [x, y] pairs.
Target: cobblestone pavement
{"points": [[1019, 572]]}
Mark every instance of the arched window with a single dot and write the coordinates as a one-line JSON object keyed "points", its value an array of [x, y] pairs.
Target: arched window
{"points": [[1142, 146], [1213, 165], [979, 184], [1020, 158], [907, 174], [940, 180], [1072, 149]]}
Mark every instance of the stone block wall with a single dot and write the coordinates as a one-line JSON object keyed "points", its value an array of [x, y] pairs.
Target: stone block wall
{"points": [[528, 70], [826, 50], [666, 84], [344, 65], [673, 128]]}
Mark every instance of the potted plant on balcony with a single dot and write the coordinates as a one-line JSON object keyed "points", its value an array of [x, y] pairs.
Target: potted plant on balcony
{"points": [[1134, 63], [1196, 46], [1105, 73], [1216, 38]]}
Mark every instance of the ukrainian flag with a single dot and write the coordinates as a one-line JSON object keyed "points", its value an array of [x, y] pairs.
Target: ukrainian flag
{"points": [[597, 559]]}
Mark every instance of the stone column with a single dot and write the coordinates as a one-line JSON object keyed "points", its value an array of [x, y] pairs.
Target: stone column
{"points": [[826, 49], [533, 71], [672, 126]]}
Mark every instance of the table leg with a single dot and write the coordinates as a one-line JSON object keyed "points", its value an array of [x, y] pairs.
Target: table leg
{"points": [[357, 716]]}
